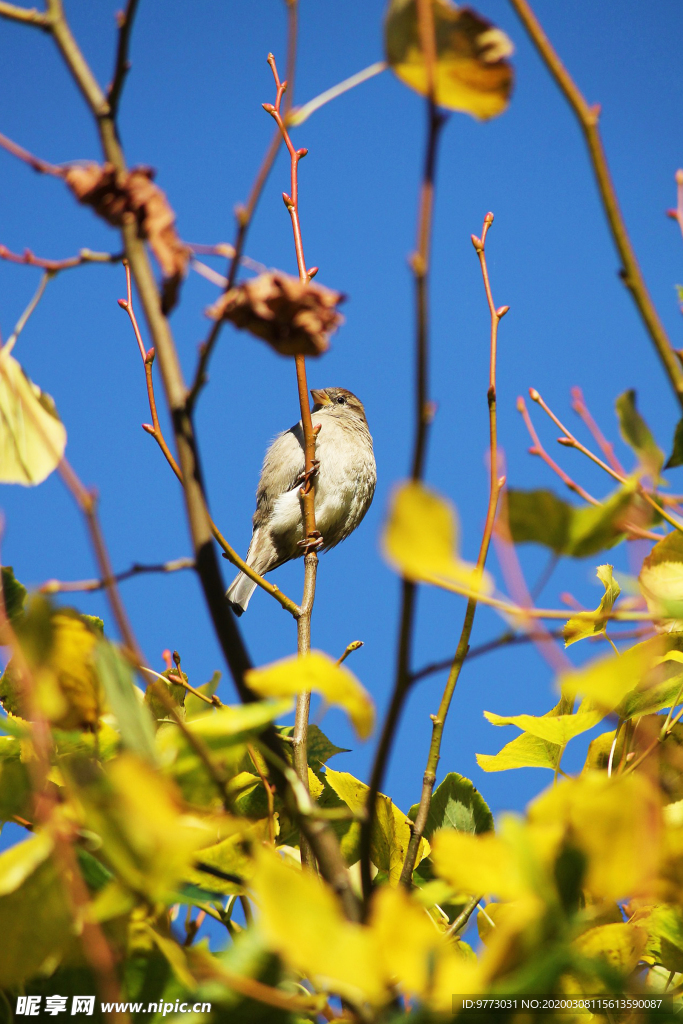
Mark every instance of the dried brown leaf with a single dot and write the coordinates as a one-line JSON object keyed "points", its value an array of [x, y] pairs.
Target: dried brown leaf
{"points": [[293, 317], [114, 195]]}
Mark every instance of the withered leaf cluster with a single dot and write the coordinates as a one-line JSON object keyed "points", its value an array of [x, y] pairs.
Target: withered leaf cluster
{"points": [[114, 195], [293, 317]]}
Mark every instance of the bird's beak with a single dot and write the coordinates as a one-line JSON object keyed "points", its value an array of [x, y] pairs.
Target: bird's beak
{"points": [[320, 397]]}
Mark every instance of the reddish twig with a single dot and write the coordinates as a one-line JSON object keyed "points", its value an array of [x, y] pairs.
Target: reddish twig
{"points": [[538, 449], [27, 258], [154, 429], [677, 214], [311, 534], [569, 441], [42, 166], [606, 447]]}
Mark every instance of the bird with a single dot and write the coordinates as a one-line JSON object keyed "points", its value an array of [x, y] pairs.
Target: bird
{"points": [[345, 480]]}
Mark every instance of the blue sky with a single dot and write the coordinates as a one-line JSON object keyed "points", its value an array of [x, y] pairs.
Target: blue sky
{"points": [[192, 109]]}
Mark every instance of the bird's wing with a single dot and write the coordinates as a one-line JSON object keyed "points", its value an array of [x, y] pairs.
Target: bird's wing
{"points": [[282, 468]]}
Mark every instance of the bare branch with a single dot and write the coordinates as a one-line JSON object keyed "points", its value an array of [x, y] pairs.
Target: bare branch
{"points": [[122, 65]]}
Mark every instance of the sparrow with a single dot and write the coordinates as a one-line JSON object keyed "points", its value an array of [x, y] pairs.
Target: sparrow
{"points": [[344, 487]]}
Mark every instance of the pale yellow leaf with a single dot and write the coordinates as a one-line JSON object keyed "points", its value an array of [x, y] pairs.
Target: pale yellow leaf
{"points": [[614, 821], [471, 72], [607, 680], [319, 673], [477, 864], [556, 729], [392, 828], [621, 945], [579, 627], [32, 437], [301, 920], [420, 541]]}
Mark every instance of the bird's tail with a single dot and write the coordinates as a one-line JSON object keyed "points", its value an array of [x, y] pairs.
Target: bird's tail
{"points": [[239, 593]]}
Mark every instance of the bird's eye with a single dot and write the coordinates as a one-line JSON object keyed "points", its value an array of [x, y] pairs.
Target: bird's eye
{"points": [[341, 400]]}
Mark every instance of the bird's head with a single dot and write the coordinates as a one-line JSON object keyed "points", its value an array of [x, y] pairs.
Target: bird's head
{"points": [[338, 402]]}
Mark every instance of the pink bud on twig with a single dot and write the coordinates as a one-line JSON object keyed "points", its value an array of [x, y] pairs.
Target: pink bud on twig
{"points": [[534, 395], [501, 311], [122, 303], [476, 242], [301, 153], [312, 272], [268, 107], [149, 428]]}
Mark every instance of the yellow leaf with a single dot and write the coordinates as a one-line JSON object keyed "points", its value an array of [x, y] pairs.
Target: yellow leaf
{"points": [[35, 919], [32, 437], [391, 832], [420, 541], [471, 73], [477, 864], [316, 671], [620, 944], [302, 921], [579, 627], [607, 680], [614, 821], [146, 836], [525, 751], [557, 729], [661, 581]]}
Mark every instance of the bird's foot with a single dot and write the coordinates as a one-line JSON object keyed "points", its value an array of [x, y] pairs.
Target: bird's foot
{"points": [[311, 543], [306, 477]]}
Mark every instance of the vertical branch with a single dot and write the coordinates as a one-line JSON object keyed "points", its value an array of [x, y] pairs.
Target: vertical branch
{"points": [[588, 118], [496, 482], [311, 534], [423, 415]]}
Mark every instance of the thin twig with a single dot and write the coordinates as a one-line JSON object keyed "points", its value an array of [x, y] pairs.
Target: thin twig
{"points": [[301, 114], [312, 537], [27, 258], [122, 64], [606, 447], [23, 319], [509, 639], [496, 482], [41, 166], [245, 213], [588, 118], [569, 441], [355, 645], [73, 586], [154, 429], [424, 410], [538, 449]]}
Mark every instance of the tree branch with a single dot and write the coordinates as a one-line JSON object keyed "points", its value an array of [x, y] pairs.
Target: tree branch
{"points": [[74, 586], [588, 118], [122, 65], [496, 482], [423, 416]]}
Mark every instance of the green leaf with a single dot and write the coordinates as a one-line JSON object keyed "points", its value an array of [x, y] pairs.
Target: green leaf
{"points": [[32, 436], [541, 517], [125, 701], [456, 804], [471, 72], [637, 434], [13, 592], [320, 748], [579, 627], [174, 691], [676, 457]]}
